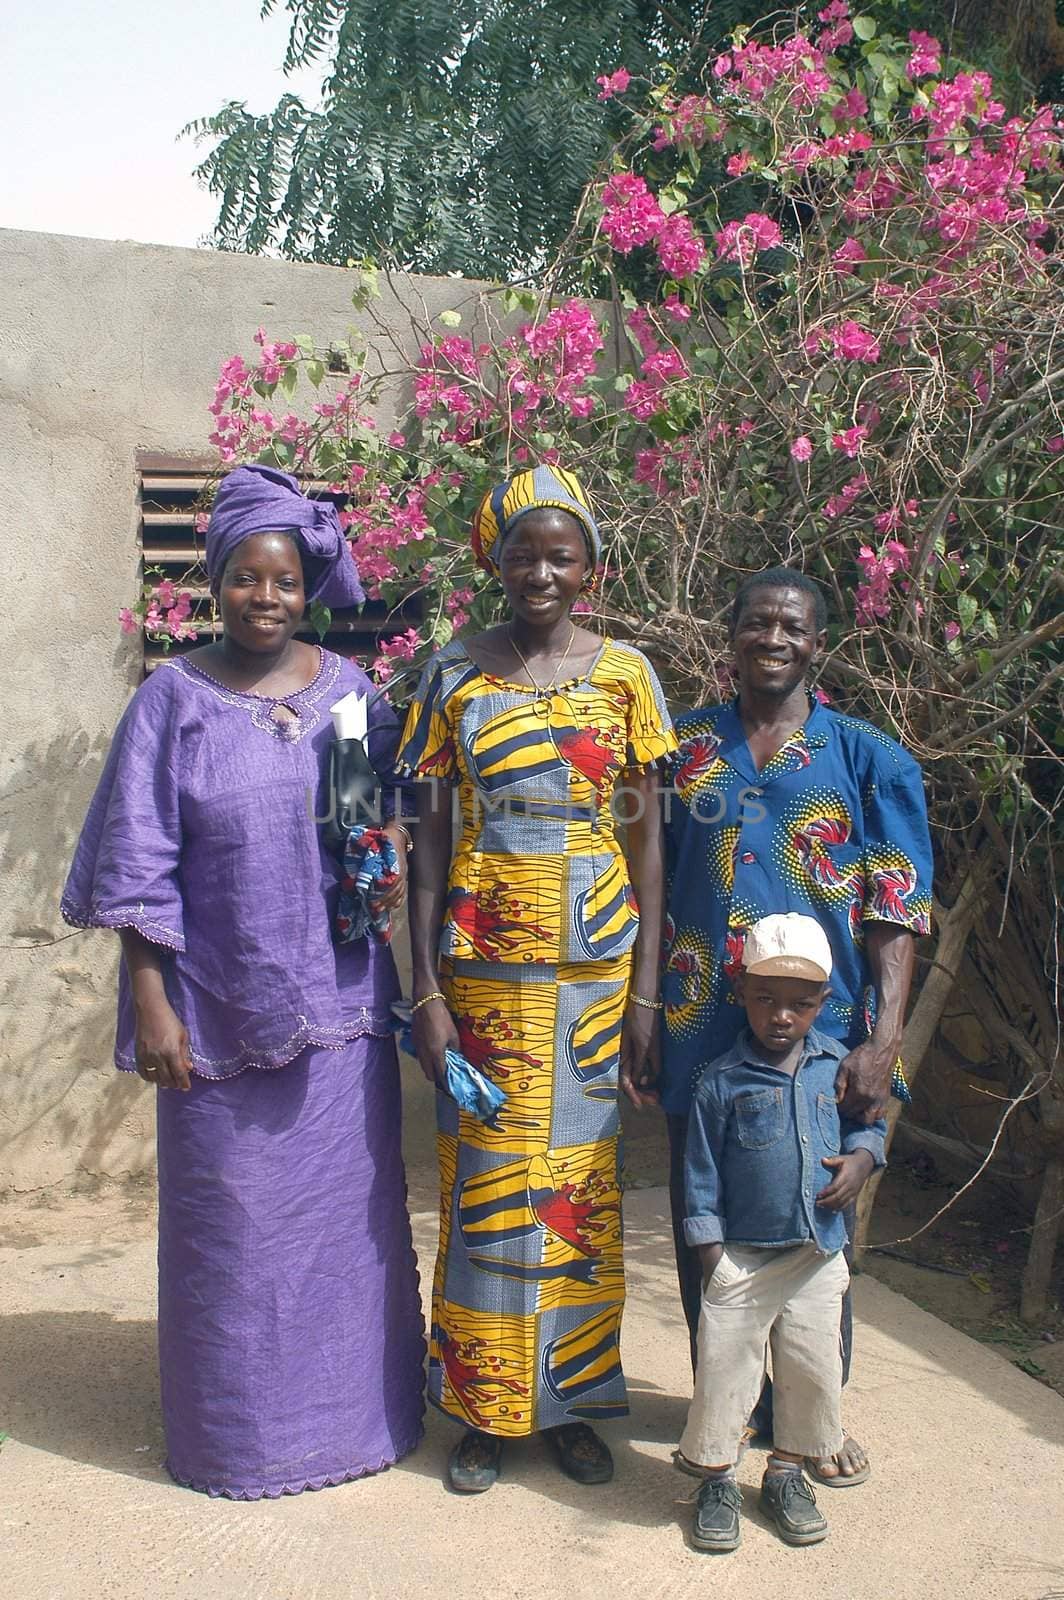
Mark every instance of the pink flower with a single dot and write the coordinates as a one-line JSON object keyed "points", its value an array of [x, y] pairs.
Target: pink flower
{"points": [[722, 66], [675, 308], [1056, 445], [926, 59], [403, 647], [397, 440], [736, 165], [615, 83], [834, 12], [851, 342], [680, 250], [951, 631], [802, 448], [848, 256], [127, 621], [740, 241], [630, 214], [850, 442]]}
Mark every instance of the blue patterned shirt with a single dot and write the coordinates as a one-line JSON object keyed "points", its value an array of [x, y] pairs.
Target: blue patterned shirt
{"points": [[835, 826]]}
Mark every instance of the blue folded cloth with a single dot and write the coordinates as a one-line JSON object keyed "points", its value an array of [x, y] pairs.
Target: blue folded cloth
{"points": [[370, 865], [468, 1088]]}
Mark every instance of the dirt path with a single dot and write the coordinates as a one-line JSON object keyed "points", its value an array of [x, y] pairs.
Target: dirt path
{"points": [[964, 1500]]}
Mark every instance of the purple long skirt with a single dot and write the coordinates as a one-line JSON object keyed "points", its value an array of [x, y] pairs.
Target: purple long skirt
{"points": [[290, 1329]]}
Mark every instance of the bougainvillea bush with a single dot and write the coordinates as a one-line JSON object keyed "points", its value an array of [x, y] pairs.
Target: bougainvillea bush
{"points": [[852, 359]]}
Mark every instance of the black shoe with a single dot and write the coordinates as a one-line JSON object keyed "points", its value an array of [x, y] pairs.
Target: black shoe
{"points": [[787, 1498], [474, 1463], [717, 1516], [581, 1454]]}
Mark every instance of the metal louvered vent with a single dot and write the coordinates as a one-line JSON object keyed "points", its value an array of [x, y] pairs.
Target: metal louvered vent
{"points": [[172, 498]]}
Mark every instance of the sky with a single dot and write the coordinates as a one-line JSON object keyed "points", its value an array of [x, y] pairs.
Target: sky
{"points": [[95, 96]]}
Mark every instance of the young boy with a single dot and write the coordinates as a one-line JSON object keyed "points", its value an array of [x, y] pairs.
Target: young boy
{"points": [[764, 1126]]}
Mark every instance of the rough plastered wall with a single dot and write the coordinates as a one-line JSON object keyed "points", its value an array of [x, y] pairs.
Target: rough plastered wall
{"points": [[105, 349]]}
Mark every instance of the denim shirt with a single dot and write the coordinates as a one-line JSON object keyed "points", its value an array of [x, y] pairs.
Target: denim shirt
{"points": [[755, 1142]]}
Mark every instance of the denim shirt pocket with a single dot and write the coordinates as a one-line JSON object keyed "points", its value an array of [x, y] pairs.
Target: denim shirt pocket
{"points": [[759, 1118], [827, 1116]]}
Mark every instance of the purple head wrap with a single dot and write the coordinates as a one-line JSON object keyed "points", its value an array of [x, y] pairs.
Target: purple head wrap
{"points": [[263, 500]]}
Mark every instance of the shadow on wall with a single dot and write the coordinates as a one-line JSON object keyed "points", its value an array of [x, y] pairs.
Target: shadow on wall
{"points": [[63, 1108]]}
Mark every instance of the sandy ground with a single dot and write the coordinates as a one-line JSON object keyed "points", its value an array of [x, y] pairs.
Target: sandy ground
{"points": [[964, 1500]]}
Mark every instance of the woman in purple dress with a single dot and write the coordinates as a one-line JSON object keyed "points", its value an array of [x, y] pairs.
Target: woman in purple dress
{"points": [[290, 1329]]}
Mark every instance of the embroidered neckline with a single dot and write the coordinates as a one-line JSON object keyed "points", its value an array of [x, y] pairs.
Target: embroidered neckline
{"points": [[303, 703]]}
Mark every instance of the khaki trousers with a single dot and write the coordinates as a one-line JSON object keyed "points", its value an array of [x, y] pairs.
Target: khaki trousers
{"points": [[786, 1302]]}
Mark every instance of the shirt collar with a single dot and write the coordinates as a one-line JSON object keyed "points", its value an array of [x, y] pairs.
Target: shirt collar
{"points": [[735, 750], [748, 1049]]}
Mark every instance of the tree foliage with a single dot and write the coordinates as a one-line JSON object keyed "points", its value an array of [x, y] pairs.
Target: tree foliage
{"points": [[458, 135], [453, 135]]}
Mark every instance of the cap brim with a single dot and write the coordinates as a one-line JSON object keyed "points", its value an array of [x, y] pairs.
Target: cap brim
{"points": [[788, 967]]}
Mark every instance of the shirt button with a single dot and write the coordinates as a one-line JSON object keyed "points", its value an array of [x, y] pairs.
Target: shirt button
{"points": [[747, 857], [804, 1139]]}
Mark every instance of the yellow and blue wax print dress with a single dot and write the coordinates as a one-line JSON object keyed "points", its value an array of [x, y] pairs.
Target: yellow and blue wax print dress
{"points": [[535, 960]]}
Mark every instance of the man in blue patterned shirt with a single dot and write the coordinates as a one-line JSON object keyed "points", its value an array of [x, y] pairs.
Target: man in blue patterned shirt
{"points": [[780, 804]]}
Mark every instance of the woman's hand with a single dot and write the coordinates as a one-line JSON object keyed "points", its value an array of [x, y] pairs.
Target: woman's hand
{"points": [[640, 1055], [394, 896], [162, 1048], [434, 1033]]}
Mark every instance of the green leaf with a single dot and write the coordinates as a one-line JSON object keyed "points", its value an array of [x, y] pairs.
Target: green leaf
{"points": [[320, 618], [305, 343], [864, 27], [450, 319], [290, 378], [442, 631], [315, 372], [967, 609]]}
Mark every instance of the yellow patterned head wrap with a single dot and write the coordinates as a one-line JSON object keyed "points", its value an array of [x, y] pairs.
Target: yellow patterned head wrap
{"points": [[535, 490]]}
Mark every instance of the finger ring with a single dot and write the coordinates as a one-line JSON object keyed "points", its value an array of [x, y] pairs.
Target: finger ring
{"points": [[150, 1069]]}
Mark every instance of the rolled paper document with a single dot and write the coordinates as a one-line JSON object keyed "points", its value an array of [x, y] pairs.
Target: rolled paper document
{"points": [[349, 716]]}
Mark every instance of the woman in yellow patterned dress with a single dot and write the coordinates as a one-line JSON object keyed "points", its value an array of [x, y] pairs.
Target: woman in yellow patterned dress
{"points": [[535, 954]]}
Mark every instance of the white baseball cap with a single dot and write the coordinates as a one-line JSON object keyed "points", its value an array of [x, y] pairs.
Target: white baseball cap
{"points": [[788, 945]]}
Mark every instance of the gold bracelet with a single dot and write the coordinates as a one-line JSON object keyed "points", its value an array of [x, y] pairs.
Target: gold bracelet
{"points": [[639, 1000], [437, 994]]}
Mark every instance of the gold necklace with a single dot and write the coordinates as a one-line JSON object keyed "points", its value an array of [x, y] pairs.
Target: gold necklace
{"points": [[543, 690]]}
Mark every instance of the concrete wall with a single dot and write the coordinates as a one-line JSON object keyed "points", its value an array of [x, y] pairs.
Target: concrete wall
{"points": [[105, 349]]}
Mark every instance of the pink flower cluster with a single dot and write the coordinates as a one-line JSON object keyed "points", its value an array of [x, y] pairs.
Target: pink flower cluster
{"points": [[850, 442], [890, 521], [874, 594], [644, 399], [847, 341], [631, 217], [163, 611], [848, 257], [566, 344], [275, 357], [457, 607], [926, 59], [740, 241], [837, 505], [689, 123], [955, 102], [613, 83]]}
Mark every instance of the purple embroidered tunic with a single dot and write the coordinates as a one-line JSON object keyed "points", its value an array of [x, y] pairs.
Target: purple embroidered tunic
{"points": [[201, 835], [290, 1330]]}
